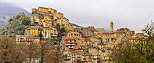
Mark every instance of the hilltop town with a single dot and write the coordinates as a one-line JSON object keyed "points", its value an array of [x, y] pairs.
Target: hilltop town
{"points": [[76, 44]]}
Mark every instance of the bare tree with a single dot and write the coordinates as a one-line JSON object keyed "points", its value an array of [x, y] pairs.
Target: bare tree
{"points": [[10, 51]]}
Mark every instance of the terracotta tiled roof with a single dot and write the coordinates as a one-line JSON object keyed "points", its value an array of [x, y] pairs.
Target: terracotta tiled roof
{"points": [[75, 32], [113, 32], [132, 38], [80, 53], [92, 54], [82, 38], [76, 37], [69, 52], [66, 38], [87, 39], [78, 50]]}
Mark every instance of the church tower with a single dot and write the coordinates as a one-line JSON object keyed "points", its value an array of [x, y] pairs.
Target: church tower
{"points": [[111, 27]]}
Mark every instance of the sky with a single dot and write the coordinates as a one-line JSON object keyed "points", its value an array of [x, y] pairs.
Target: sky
{"points": [[132, 14]]}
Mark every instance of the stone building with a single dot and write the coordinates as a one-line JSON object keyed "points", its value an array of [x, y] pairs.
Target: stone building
{"points": [[50, 33], [77, 48], [27, 39], [48, 17], [74, 34], [127, 31], [88, 31], [33, 30]]}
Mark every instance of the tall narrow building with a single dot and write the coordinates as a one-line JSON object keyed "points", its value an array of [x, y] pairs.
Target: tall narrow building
{"points": [[111, 27]]}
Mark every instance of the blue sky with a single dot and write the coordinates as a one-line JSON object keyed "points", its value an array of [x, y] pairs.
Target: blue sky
{"points": [[133, 14]]}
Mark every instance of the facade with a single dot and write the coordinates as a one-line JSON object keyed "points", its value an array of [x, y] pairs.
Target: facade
{"points": [[46, 10], [49, 33], [131, 39], [139, 35], [85, 45], [88, 31], [112, 37], [27, 39], [48, 17], [74, 34], [33, 30], [48, 22], [127, 31], [78, 49]]}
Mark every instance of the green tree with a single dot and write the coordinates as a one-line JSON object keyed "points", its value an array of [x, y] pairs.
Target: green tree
{"points": [[26, 21], [62, 32], [20, 29], [16, 25], [57, 27], [141, 52]]}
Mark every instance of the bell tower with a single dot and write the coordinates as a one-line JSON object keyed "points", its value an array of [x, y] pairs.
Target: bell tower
{"points": [[111, 27]]}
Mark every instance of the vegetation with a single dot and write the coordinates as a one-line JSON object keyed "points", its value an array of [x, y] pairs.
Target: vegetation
{"points": [[62, 31], [141, 52], [17, 25], [10, 51], [45, 52]]}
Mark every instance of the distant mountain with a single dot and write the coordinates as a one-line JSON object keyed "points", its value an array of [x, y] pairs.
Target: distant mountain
{"points": [[3, 19], [11, 10], [7, 11]]}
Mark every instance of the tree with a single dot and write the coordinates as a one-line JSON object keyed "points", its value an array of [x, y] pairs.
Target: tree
{"points": [[16, 25], [10, 52], [26, 20], [48, 53], [20, 29], [57, 27], [32, 51], [149, 30], [62, 32], [141, 52], [149, 46]]}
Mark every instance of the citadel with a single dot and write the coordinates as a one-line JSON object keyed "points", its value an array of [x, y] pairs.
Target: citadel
{"points": [[86, 44]]}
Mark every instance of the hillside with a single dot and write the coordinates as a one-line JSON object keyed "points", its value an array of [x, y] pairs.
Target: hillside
{"points": [[19, 23], [45, 23], [16, 25]]}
